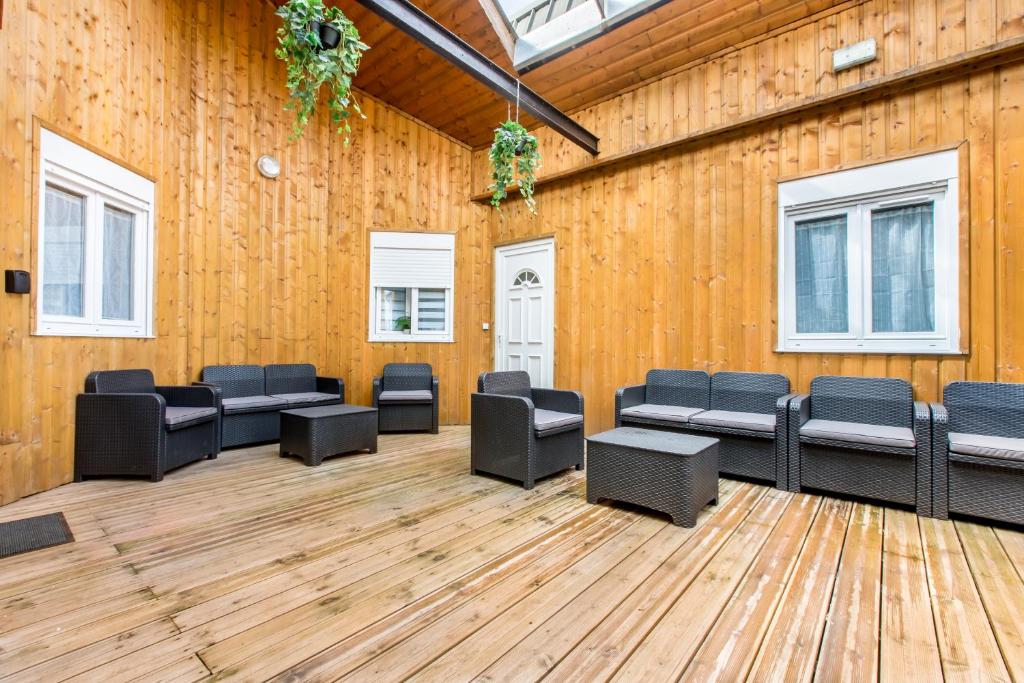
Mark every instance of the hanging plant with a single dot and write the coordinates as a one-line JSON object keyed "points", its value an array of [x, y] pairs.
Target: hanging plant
{"points": [[320, 46], [514, 159]]}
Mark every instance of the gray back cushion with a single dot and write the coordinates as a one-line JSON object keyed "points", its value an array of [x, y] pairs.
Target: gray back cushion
{"points": [[992, 408], [509, 383], [747, 392], [691, 388], [290, 378], [868, 400], [235, 380]]}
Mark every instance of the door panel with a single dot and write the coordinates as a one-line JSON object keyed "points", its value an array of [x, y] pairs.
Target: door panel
{"points": [[524, 305]]}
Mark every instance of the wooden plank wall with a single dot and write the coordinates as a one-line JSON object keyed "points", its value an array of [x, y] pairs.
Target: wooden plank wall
{"points": [[248, 270], [670, 261]]}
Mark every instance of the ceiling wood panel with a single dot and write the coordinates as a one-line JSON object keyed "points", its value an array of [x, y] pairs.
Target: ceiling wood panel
{"points": [[409, 76]]}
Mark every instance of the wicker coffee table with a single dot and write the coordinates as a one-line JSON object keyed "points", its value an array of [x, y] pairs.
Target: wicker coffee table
{"points": [[668, 472], [315, 433]]}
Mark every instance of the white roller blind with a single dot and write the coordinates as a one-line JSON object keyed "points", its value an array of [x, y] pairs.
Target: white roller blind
{"points": [[407, 259]]}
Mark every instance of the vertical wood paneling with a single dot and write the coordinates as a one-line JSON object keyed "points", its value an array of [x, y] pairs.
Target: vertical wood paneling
{"points": [[697, 260], [247, 270]]}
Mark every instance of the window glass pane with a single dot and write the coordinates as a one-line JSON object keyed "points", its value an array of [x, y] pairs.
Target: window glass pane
{"points": [[903, 269], [821, 275], [393, 310], [63, 252], [430, 316], [118, 262]]}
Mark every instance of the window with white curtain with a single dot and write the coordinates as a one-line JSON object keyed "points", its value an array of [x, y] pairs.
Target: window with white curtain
{"points": [[868, 259], [95, 246], [411, 280]]}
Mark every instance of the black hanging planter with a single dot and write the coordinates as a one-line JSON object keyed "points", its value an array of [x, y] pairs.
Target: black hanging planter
{"points": [[330, 36], [520, 148]]}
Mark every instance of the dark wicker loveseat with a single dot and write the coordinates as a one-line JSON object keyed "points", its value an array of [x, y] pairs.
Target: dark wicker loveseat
{"points": [[253, 397], [864, 437], [406, 398], [127, 426], [745, 411], [524, 433], [978, 451]]}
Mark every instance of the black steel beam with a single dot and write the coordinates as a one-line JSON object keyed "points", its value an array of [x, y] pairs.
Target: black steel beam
{"points": [[415, 22]]}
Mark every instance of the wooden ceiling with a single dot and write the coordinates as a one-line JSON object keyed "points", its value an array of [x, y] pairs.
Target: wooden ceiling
{"points": [[407, 75]]}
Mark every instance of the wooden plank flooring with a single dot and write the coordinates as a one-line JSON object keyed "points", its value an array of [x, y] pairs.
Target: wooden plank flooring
{"points": [[400, 565]]}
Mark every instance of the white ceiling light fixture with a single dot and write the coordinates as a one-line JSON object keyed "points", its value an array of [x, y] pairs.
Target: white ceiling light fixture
{"points": [[268, 166]]}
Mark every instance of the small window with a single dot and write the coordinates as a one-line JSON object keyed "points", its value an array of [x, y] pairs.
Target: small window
{"points": [[411, 279], [868, 259], [526, 278], [95, 245]]}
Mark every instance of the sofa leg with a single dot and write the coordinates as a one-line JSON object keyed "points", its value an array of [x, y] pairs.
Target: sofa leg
{"points": [[159, 476], [528, 484], [579, 467], [79, 478]]}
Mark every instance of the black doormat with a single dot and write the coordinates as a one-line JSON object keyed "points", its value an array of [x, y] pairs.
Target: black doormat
{"points": [[33, 533]]}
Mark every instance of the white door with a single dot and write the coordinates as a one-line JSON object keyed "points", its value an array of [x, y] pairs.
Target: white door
{"points": [[524, 290]]}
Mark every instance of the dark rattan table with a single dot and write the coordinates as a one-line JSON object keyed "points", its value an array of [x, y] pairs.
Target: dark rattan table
{"points": [[315, 433], [672, 473]]}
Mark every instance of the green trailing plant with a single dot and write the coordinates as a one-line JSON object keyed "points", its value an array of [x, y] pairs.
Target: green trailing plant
{"points": [[514, 159], [403, 324], [311, 64]]}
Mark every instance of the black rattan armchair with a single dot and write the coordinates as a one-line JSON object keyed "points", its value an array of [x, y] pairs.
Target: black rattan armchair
{"points": [[862, 437], [523, 433], [668, 399], [406, 398], [127, 426], [978, 451]]}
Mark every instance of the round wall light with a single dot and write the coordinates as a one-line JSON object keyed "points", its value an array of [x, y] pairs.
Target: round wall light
{"points": [[269, 166]]}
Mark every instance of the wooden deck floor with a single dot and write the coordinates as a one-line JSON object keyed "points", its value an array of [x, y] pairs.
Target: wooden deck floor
{"points": [[400, 564]]}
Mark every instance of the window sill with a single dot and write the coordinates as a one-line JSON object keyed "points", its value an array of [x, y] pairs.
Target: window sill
{"points": [[405, 339], [874, 350]]}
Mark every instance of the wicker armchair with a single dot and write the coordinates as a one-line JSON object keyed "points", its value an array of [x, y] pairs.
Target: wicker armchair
{"points": [[252, 397], [127, 426], [406, 398], [978, 451], [667, 400], [864, 437], [523, 433]]}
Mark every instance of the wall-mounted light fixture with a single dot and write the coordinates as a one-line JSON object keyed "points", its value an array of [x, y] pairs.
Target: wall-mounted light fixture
{"points": [[268, 166]]}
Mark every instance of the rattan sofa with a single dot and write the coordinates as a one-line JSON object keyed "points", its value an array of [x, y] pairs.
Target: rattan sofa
{"points": [[523, 433], [863, 437], [125, 425], [252, 397], [746, 411], [978, 451], [406, 398]]}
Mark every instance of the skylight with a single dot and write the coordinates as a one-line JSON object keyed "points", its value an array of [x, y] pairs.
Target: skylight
{"points": [[544, 28]]}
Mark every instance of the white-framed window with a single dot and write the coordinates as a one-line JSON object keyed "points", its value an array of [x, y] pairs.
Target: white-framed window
{"points": [[95, 244], [412, 276], [868, 259]]}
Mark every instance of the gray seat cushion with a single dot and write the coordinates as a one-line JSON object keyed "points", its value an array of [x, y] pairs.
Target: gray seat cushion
{"points": [[754, 422], [651, 411], [985, 446], [175, 417], [306, 397], [252, 404], [856, 432], [544, 420], [408, 396]]}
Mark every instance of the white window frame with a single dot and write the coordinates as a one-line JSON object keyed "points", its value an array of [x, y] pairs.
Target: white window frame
{"points": [[855, 192], [71, 167], [412, 241]]}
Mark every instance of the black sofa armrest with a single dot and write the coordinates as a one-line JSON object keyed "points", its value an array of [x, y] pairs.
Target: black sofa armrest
{"points": [[799, 413], [502, 437], [627, 397], [378, 384], [940, 461], [782, 441], [559, 400], [923, 456], [331, 385], [191, 397], [120, 433]]}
